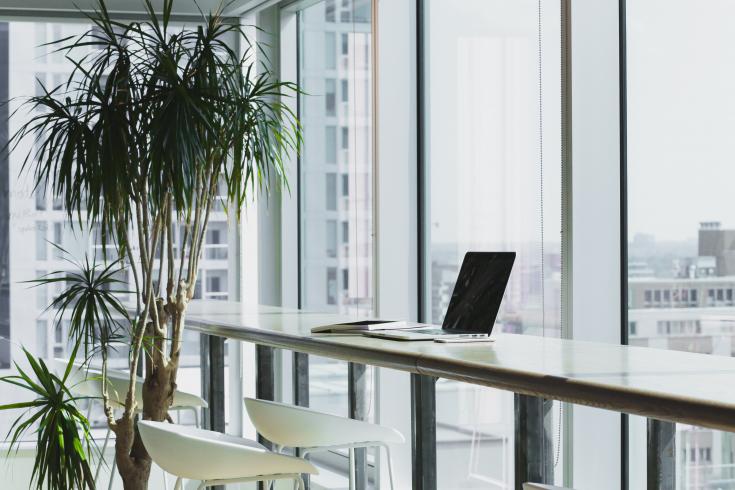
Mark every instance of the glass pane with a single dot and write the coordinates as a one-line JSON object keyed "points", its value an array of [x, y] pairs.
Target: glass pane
{"points": [[493, 173], [30, 222], [336, 184], [681, 221]]}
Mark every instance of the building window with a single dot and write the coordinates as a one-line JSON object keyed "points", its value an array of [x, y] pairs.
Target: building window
{"points": [[329, 11], [345, 137], [331, 285], [345, 90], [330, 144], [330, 97], [41, 240], [345, 232], [331, 192], [331, 238], [330, 50], [345, 185], [344, 44]]}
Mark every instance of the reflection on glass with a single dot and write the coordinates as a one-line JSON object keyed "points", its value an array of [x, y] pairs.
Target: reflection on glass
{"points": [[681, 219], [488, 191]]}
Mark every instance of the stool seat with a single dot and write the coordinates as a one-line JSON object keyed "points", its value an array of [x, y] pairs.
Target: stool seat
{"points": [[199, 454], [291, 426], [88, 382]]}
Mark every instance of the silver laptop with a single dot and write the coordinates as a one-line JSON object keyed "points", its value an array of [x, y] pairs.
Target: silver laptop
{"points": [[474, 305]]}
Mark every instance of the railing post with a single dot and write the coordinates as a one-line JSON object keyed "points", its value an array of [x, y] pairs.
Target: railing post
{"points": [[265, 384], [534, 449], [358, 403], [212, 358], [423, 431], [301, 392], [661, 455], [265, 381], [213, 381]]}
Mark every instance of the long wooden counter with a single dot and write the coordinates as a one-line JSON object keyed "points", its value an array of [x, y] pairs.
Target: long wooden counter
{"points": [[680, 387]]}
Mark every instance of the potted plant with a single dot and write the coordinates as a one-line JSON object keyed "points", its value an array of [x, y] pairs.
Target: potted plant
{"points": [[153, 126]]}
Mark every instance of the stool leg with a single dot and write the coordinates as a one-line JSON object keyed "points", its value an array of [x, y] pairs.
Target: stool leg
{"points": [[112, 472], [352, 468], [300, 483], [178, 484], [390, 466], [165, 479], [102, 455]]}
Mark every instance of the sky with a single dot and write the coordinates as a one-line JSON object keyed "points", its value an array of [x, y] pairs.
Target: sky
{"points": [[681, 116]]}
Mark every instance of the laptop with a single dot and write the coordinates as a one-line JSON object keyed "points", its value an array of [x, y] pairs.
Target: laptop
{"points": [[474, 305]]}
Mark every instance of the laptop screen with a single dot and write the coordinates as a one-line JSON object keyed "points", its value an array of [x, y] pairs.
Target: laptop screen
{"points": [[478, 291]]}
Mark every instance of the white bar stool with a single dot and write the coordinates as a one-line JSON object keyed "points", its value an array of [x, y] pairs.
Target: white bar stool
{"points": [[88, 382], [215, 458], [312, 431]]}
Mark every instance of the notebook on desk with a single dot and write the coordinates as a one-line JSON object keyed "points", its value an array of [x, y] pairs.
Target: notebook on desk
{"points": [[362, 326]]}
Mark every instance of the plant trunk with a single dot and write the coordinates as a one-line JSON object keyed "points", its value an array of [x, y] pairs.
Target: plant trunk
{"points": [[134, 465], [133, 461]]}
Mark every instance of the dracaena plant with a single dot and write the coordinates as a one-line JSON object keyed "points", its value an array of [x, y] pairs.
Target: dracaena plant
{"points": [[154, 125], [63, 439]]}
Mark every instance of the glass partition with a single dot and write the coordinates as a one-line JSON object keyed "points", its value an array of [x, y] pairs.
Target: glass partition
{"points": [[492, 170], [681, 219]]}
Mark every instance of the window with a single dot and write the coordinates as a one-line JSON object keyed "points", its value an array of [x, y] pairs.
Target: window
{"points": [[330, 144], [329, 10], [344, 90], [330, 97], [331, 238], [679, 120], [41, 240], [330, 50], [483, 175], [26, 238], [348, 145], [346, 187], [345, 138], [344, 44], [330, 193], [331, 285], [336, 266]]}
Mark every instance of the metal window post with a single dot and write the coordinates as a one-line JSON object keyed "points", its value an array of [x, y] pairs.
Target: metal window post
{"points": [[301, 392], [213, 381], [534, 451], [212, 358], [661, 455], [358, 404], [265, 383], [423, 431]]}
